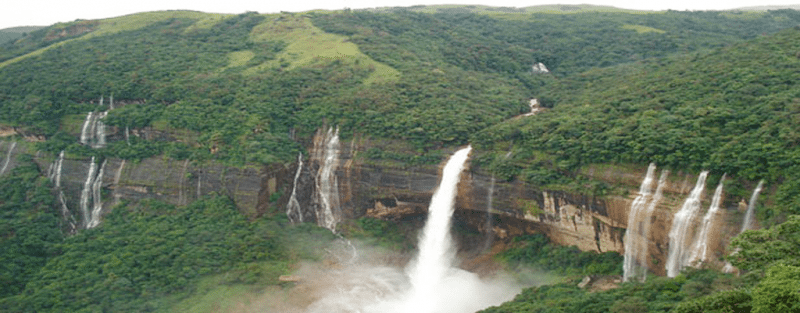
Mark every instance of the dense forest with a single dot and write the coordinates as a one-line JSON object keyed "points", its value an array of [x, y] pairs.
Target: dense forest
{"points": [[689, 91]]}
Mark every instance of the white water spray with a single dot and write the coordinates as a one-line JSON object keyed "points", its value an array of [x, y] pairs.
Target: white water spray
{"points": [[434, 285], [635, 238], [293, 210], [700, 248], [681, 231], [751, 207], [8, 157]]}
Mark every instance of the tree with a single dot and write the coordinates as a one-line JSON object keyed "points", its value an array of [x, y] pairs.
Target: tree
{"points": [[779, 291]]}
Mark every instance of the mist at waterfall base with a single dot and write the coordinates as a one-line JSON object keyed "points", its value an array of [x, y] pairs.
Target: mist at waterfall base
{"points": [[429, 283]]}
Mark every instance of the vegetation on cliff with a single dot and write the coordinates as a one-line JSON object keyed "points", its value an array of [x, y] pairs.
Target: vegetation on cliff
{"points": [[687, 90]]}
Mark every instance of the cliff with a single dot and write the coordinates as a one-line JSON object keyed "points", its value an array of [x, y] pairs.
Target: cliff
{"points": [[389, 190]]}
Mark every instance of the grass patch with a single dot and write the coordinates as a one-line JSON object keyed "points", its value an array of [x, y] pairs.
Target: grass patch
{"points": [[642, 29], [309, 45], [239, 58]]}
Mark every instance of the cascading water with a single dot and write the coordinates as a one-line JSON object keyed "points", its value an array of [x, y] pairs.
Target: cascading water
{"points": [[751, 207], [117, 176], [662, 181], [293, 210], [86, 193], [326, 193], [747, 223], [86, 129], [635, 238], [681, 231], [97, 202], [8, 157], [700, 247], [436, 253], [434, 285], [66, 215], [93, 131]]}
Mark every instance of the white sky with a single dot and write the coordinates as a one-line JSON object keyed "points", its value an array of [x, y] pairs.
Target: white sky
{"points": [[48, 12]]}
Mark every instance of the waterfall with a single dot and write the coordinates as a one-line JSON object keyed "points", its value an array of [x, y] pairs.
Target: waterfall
{"points": [[662, 181], [117, 176], [700, 247], [8, 157], [326, 193], [85, 130], [429, 283], [293, 210], [57, 169], [681, 231], [97, 201], [635, 239], [66, 215], [93, 132], [751, 206], [86, 193], [747, 223], [100, 131], [436, 252]]}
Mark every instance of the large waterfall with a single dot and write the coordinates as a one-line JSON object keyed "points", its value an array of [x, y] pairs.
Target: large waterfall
{"points": [[431, 283], [700, 247], [680, 234], [436, 252]]}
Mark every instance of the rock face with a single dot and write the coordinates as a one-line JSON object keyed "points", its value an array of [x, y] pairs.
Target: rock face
{"points": [[390, 190]]}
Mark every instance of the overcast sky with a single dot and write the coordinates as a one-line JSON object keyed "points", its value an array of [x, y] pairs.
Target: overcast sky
{"points": [[48, 12]]}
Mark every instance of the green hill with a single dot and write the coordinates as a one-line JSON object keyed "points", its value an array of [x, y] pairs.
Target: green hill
{"points": [[687, 90]]}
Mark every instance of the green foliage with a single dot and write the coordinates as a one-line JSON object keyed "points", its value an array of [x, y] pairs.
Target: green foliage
{"points": [[658, 294], [722, 302], [537, 251], [779, 292], [145, 251], [376, 232], [757, 250], [29, 226]]}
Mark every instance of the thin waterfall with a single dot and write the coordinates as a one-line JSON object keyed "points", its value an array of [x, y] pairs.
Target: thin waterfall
{"points": [[85, 130], [327, 186], [293, 210], [100, 131], [700, 247], [117, 177], [681, 231], [66, 215], [436, 251], [751, 207], [747, 223], [635, 239], [8, 157], [57, 169], [97, 201], [86, 193]]}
